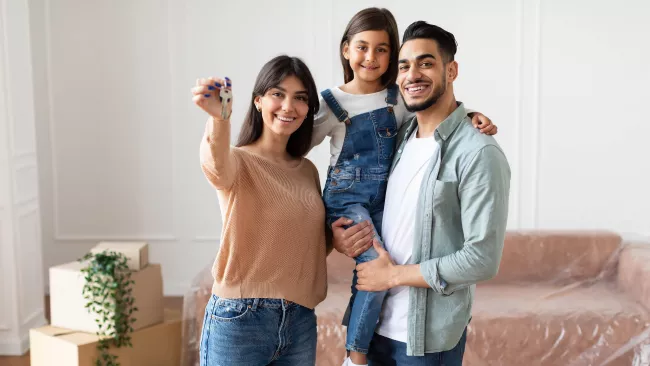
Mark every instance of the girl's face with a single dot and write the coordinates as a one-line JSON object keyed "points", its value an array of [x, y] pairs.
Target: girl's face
{"points": [[369, 54], [284, 107]]}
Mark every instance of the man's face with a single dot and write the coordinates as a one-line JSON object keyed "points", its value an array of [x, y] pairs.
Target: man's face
{"points": [[423, 75]]}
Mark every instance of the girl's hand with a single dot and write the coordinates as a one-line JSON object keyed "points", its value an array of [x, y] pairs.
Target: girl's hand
{"points": [[483, 124]]}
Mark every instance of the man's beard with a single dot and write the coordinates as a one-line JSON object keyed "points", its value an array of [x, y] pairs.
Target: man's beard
{"points": [[433, 99]]}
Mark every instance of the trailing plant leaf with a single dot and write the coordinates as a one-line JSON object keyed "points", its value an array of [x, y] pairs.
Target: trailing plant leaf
{"points": [[108, 292]]}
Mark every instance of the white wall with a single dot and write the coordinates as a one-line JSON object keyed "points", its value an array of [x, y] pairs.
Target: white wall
{"points": [[22, 305], [118, 135]]}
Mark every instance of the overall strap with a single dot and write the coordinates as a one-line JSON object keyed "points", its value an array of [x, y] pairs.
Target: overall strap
{"points": [[391, 98], [340, 113]]}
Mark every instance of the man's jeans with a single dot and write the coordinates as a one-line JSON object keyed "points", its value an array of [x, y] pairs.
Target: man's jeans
{"points": [[387, 352]]}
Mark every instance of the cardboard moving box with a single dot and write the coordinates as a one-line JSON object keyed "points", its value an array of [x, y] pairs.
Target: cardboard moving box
{"points": [[136, 252], [158, 345], [67, 304]]}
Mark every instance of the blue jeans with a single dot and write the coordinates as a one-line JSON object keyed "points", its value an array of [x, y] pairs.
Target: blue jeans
{"points": [[363, 311], [388, 352], [365, 307], [256, 332]]}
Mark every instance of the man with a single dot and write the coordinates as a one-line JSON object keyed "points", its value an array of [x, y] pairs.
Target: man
{"points": [[445, 215]]}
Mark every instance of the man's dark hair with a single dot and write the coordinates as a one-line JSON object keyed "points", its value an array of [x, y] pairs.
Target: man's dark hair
{"points": [[446, 41]]}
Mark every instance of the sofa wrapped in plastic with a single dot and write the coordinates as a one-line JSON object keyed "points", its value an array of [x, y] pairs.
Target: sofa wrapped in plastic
{"points": [[560, 298]]}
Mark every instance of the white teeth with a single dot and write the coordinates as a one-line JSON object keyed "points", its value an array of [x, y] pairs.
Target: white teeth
{"points": [[285, 119], [417, 88]]}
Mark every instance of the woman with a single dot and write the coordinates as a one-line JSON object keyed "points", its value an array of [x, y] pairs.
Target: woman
{"points": [[270, 271]]}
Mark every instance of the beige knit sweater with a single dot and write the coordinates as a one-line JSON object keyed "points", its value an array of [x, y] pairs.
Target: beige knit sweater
{"points": [[273, 238]]}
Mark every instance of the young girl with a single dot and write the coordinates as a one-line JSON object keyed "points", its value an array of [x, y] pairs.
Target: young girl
{"points": [[363, 117]]}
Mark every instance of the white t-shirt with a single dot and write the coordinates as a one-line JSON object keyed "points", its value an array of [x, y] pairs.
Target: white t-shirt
{"points": [[326, 123], [398, 227]]}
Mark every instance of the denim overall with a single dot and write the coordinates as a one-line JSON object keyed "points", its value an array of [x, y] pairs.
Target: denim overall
{"points": [[355, 189]]}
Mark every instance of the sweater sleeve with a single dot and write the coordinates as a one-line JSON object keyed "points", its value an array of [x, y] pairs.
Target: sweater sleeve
{"points": [[217, 161]]}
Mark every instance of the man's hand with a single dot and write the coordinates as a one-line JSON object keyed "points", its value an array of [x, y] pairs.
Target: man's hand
{"points": [[378, 274], [354, 240]]}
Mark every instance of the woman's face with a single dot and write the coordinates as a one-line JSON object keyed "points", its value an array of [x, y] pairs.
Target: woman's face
{"points": [[284, 107]]}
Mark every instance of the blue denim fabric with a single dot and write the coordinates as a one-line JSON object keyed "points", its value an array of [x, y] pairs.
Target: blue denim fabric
{"points": [[355, 189], [388, 352], [256, 332]]}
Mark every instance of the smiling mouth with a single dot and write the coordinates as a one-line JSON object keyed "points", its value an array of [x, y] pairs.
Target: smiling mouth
{"points": [[416, 89], [371, 68], [285, 119]]}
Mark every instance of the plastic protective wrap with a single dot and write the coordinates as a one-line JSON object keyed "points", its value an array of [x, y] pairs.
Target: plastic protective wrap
{"points": [[560, 298]]}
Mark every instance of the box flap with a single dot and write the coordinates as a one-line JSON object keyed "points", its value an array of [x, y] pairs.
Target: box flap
{"points": [[67, 335]]}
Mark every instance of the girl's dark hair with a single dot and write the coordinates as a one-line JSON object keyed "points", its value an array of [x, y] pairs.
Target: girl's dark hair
{"points": [[373, 19], [271, 75]]}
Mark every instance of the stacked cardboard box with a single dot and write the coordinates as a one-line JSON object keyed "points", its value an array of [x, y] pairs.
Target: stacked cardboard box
{"points": [[71, 337]]}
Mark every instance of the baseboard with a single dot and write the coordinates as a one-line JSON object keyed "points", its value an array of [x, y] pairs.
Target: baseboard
{"points": [[14, 347]]}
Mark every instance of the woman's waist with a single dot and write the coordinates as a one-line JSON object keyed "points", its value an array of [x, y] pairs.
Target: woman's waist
{"points": [[272, 303], [260, 267], [272, 294]]}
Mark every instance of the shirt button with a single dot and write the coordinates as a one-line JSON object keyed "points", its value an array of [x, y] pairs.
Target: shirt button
{"points": [[337, 171], [333, 183]]}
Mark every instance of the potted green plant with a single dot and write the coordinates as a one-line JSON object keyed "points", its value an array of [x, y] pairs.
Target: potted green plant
{"points": [[108, 292]]}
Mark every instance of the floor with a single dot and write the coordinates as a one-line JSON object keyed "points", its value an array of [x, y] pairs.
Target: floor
{"points": [[170, 303]]}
